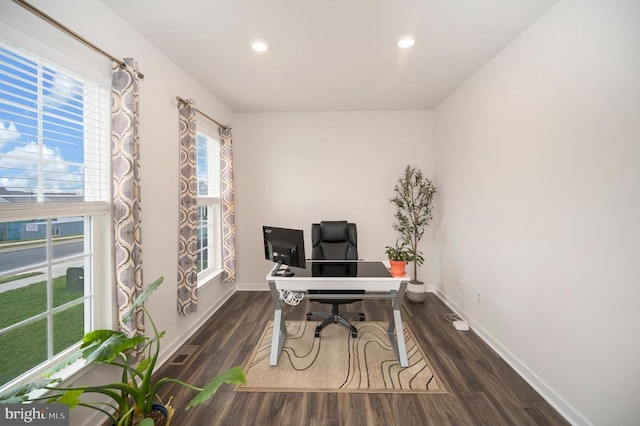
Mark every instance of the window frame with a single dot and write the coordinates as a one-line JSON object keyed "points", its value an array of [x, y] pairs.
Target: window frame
{"points": [[214, 204], [101, 298], [97, 233]]}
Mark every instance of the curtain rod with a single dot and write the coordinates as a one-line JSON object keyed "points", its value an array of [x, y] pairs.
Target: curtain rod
{"points": [[184, 101], [69, 31]]}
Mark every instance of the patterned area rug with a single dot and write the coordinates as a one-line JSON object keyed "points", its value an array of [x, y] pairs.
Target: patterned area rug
{"points": [[335, 362]]}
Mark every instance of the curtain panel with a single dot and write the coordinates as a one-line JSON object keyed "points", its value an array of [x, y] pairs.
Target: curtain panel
{"points": [[188, 231], [228, 210], [126, 193]]}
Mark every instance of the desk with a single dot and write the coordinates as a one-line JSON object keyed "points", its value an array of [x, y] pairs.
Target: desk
{"points": [[373, 277]]}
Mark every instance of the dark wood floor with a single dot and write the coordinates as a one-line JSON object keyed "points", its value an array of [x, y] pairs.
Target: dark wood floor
{"points": [[483, 389]]}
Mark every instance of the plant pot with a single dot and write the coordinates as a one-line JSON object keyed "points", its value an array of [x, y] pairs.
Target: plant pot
{"points": [[416, 292], [398, 267], [159, 414]]}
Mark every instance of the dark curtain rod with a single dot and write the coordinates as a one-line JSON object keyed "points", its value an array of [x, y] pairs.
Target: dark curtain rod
{"points": [[69, 31], [183, 101]]}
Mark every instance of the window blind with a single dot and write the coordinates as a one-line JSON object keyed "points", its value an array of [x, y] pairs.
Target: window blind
{"points": [[54, 132], [208, 166]]}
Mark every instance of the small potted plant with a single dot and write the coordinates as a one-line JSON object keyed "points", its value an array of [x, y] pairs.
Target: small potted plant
{"points": [[133, 399], [398, 256]]}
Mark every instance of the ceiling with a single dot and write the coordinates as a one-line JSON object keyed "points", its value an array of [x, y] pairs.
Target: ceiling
{"points": [[330, 55]]}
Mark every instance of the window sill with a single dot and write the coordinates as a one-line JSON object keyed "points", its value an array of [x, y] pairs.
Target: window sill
{"points": [[207, 277]]}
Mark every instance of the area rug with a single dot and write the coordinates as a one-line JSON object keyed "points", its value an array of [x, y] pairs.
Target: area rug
{"points": [[336, 362]]}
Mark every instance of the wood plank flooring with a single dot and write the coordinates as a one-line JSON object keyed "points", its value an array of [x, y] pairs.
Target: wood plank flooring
{"points": [[484, 390]]}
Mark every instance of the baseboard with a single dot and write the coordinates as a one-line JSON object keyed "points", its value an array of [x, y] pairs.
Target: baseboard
{"points": [[263, 286], [552, 397]]}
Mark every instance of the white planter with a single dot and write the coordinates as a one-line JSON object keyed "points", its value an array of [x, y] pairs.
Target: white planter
{"points": [[416, 293]]}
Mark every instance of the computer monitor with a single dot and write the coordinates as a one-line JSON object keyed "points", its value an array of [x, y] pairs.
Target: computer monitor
{"points": [[285, 247]]}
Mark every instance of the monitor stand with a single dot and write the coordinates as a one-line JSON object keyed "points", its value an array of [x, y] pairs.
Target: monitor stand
{"points": [[278, 272]]}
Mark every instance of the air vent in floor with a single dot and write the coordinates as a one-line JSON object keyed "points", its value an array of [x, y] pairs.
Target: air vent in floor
{"points": [[183, 354]]}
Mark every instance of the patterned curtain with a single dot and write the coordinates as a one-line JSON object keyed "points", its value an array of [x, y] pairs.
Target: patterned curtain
{"points": [[188, 233], [126, 193], [228, 210]]}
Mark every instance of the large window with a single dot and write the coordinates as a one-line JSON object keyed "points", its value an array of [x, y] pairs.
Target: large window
{"points": [[209, 208], [54, 204]]}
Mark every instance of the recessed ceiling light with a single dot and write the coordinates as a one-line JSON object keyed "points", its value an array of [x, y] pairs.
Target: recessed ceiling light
{"points": [[259, 46], [406, 42]]}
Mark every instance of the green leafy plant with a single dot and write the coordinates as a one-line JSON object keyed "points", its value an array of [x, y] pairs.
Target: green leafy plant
{"points": [[413, 200], [400, 252], [130, 400]]}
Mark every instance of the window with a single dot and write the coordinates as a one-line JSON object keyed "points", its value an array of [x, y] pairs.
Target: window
{"points": [[54, 202], [209, 206]]}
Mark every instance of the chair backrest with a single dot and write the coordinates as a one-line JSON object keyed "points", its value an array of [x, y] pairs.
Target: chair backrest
{"points": [[334, 240]]}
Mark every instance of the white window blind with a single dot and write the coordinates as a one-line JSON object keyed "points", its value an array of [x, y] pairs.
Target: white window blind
{"points": [[54, 132], [208, 166]]}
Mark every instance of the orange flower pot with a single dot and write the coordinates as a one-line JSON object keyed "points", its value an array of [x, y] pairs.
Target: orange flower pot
{"points": [[398, 267]]}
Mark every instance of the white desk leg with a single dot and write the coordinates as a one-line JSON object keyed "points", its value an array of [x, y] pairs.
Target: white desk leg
{"points": [[279, 325], [395, 325]]}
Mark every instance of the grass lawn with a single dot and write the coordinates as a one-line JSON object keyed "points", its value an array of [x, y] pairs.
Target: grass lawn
{"points": [[26, 347]]}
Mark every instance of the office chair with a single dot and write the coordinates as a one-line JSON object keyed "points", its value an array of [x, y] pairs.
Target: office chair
{"points": [[335, 240]]}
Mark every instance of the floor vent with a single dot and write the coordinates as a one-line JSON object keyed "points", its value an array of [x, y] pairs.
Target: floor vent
{"points": [[183, 354]]}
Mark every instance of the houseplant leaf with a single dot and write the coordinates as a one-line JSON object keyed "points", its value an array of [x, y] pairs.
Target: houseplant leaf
{"points": [[21, 393], [110, 348], [234, 375], [98, 336], [142, 298], [65, 363], [72, 398]]}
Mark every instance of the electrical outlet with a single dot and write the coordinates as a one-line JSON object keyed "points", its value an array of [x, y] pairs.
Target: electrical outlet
{"points": [[479, 297], [460, 285]]}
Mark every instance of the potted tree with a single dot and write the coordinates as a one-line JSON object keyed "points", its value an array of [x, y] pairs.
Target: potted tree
{"points": [[398, 256], [133, 399], [413, 200]]}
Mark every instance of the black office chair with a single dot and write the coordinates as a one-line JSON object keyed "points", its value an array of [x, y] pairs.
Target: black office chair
{"points": [[335, 240]]}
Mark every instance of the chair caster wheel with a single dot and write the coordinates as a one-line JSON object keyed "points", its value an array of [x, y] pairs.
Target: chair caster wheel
{"points": [[308, 317], [317, 333], [354, 334], [361, 316]]}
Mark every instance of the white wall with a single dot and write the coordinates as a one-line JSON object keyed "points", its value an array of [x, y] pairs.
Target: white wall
{"points": [[538, 158], [164, 80], [294, 169]]}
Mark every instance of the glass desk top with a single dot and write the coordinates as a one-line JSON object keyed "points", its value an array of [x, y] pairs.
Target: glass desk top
{"points": [[342, 268]]}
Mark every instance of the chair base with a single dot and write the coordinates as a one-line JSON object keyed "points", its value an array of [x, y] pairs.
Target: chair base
{"points": [[334, 318]]}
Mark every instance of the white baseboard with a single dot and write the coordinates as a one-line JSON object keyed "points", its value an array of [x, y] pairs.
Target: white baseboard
{"points": [[555, 400], [263, 286]]}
